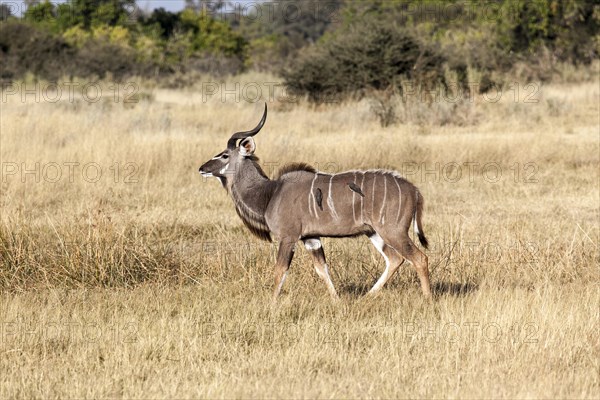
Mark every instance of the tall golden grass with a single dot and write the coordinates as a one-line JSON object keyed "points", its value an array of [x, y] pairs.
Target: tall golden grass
{"points": [[126, 274]]}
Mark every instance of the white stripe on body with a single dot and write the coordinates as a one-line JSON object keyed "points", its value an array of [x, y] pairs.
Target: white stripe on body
{"points": [[399, 200], [415, 216], [373, 196], [330, 201], [362, 220], [381, 215], [311, 194], [353, 197]]}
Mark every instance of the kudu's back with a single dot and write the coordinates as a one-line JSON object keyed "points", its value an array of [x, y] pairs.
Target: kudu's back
{"points": [[341, 205]]}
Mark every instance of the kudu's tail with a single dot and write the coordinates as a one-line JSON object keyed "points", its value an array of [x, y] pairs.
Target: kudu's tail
{"points": [[417, 218]]}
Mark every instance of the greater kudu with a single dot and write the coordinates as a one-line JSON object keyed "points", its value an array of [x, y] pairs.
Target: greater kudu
{"points": [[301, 203]]}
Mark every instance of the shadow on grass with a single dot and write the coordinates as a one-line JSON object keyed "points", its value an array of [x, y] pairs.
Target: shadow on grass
{"points": [[454, 289], [356, 290]]}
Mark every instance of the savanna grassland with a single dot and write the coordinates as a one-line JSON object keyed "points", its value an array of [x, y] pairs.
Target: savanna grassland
{"points": [[126, 274]]}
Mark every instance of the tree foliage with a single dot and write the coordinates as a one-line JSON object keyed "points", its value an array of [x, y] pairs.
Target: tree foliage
{"points": [[378, 42], [336, 45]]}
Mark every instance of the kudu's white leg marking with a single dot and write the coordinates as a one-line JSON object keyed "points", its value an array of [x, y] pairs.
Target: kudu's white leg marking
{"points": [[378, 243], [381, 214], [281, 282], [325, 275], [330, 201], [399, 199], [416, 227], [311, 194], [312, 244]]}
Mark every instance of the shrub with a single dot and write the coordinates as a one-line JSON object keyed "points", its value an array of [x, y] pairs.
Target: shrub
{"points": [[76, 36], [24, 48], [99, 59], [27, 49], [361, 57]]}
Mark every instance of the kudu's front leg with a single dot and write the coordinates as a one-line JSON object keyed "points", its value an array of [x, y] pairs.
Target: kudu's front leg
{"points": [[284, 259]]}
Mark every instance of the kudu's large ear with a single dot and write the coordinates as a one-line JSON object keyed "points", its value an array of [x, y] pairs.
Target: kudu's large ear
{"points": [[247, 146]]}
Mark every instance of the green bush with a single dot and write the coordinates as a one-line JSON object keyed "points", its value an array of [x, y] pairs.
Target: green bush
{"points": [[24, 48], [568, 28], [100, 59], [361, 57]]}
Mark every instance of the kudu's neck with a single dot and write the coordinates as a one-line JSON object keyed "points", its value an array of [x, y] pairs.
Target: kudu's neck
{"points": [[248, 176], [251, 191]]}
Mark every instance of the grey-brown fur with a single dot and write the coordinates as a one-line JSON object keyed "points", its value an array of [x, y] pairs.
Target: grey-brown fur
{"points": [[303, 204]]}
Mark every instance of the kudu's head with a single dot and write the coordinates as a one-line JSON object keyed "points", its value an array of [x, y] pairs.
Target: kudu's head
{"points": [[232, 159]]}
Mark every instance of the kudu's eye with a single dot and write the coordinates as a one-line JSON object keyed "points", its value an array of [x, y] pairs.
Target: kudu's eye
{"points": [[225, 156]]}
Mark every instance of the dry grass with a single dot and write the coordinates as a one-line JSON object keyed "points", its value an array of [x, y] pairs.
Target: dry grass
{"points": [[148, 286]]}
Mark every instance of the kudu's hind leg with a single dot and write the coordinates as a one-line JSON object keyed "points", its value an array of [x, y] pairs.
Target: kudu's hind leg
{"points": [[315, 249], [404, 245], [392, 262], [284, 259]]}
